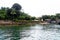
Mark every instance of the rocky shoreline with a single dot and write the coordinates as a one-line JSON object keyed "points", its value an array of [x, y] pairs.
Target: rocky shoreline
{"points": [[22, 22]]}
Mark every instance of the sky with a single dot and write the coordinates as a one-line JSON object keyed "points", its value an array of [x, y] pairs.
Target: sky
{"points": [[35, 8]]}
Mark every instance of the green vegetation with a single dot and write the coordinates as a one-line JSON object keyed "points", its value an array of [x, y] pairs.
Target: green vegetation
{"points": [[14, 13], [52, 17]]}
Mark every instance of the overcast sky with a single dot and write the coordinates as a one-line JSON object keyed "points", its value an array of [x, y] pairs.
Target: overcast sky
{"points": [[35, 7]]}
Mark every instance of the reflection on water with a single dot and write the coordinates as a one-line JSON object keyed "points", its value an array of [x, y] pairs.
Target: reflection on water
{"points": [[36, 32]]}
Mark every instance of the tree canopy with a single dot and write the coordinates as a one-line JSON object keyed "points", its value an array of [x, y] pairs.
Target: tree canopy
{"points": [[14, 13], [16, 6]]}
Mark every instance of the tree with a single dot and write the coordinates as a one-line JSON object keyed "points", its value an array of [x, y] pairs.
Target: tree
{"points": [[13, 14], [53, 17], [33, 18], [2, 13], [58, 15], [46, 17], [16, 6]]}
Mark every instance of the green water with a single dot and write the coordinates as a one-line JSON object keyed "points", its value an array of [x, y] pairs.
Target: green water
{"points": [[36, 32]]}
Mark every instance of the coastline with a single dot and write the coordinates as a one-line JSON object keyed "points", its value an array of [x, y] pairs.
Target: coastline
{"points": [[44, 23], [21, 22]]}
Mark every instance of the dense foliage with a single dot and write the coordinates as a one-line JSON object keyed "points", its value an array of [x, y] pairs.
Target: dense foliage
{"points": [[14, 13], [52, 17], [16, 6]]}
